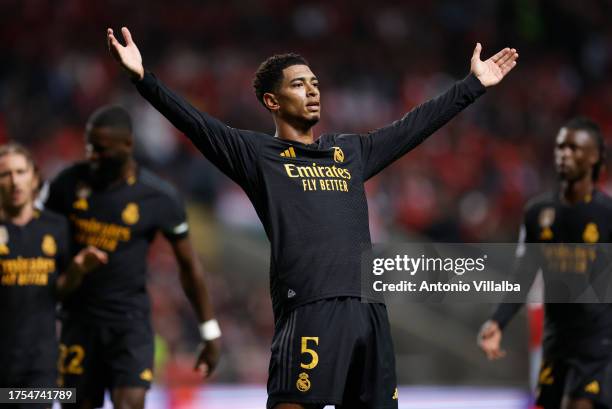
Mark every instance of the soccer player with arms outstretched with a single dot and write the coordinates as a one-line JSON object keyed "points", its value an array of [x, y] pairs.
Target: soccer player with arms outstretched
{"points": [[328, 346]]}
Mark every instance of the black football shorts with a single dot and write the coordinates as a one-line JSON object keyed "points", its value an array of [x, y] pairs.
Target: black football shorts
{"points": [[576, 378], [335, 351], [94, 358]]}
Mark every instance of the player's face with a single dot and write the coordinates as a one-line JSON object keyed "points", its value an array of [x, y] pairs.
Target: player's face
{"points": [[108, 150], [298, 95], [575, 154], [18, 181]]}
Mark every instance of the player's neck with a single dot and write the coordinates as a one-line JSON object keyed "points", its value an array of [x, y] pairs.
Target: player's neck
{"points": [[573, 192], [290, 132], [19, 216], [127, 171]]}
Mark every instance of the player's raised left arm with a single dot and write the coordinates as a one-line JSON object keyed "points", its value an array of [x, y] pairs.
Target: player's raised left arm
{"points": [[194, 286], [381, 147]]}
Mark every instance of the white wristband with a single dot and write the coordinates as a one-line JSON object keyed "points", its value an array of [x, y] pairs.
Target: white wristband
{"points": [[210, 330]]}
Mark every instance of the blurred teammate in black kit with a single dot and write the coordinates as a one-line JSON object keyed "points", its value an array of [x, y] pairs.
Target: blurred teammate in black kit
{"points": [[328, 347], [578, 336], [112, 203], [35, 270]]}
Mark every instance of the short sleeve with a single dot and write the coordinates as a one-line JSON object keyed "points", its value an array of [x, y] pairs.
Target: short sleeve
{"points": [[172, 217]]}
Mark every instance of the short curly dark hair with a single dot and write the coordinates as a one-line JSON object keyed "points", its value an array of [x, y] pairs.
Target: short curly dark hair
{"points": [[270, 73], [112, 116]]}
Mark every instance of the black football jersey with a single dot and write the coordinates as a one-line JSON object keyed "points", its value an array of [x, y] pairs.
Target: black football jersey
{"points": [[573, 253], [310, 198], [31, 257], [121, 220]]}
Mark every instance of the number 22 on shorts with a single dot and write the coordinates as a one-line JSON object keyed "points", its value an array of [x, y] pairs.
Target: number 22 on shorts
{"points": [[314, 357], [72, 365]]}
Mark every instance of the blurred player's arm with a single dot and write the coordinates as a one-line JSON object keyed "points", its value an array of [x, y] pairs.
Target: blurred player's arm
{"points": [[524, 272], [232, 151], [172, 216], [194, 286], [384, 145], [73, 268], [85, 261]]}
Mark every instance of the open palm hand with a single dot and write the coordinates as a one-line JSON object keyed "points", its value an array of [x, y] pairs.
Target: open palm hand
{"points": [[493, 70]]}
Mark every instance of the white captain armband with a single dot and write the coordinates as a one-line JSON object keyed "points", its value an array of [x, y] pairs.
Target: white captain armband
{"points": [[180, 229]]}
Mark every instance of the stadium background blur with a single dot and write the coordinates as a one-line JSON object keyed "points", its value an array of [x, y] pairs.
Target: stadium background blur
{"points": [[375, 61]]}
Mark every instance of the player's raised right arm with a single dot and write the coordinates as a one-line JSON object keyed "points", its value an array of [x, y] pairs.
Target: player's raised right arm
{"points": [[128, 56], [178, 110], [233, 151]]}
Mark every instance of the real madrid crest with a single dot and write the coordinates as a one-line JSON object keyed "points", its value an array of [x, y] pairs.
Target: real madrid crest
{"points": [[4, 237], [48, 246], [590, 234], [546, 220], [338, 155], [130, 214], [303, 383]]}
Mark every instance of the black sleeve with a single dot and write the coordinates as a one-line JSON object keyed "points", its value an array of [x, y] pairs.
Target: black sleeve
{"points": [[524, 273], [173, 217], [382, 146], [64, 251], [55, 195], [233, 151]]}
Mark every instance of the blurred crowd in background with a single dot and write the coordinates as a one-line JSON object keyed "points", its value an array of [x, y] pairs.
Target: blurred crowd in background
{"points": [[375, 61]]}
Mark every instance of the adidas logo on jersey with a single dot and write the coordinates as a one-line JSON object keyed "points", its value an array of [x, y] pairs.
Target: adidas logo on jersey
{"points": [[288, 153], [290, 293]]}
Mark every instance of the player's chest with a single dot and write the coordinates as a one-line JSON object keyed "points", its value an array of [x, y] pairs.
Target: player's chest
{"points": [[584, 224], [120, 215], [25, 241], [302, 173], [27, 256]]}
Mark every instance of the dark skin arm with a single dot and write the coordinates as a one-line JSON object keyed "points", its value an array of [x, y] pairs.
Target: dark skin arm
{"points": [[194, 286], [84, 262]]}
